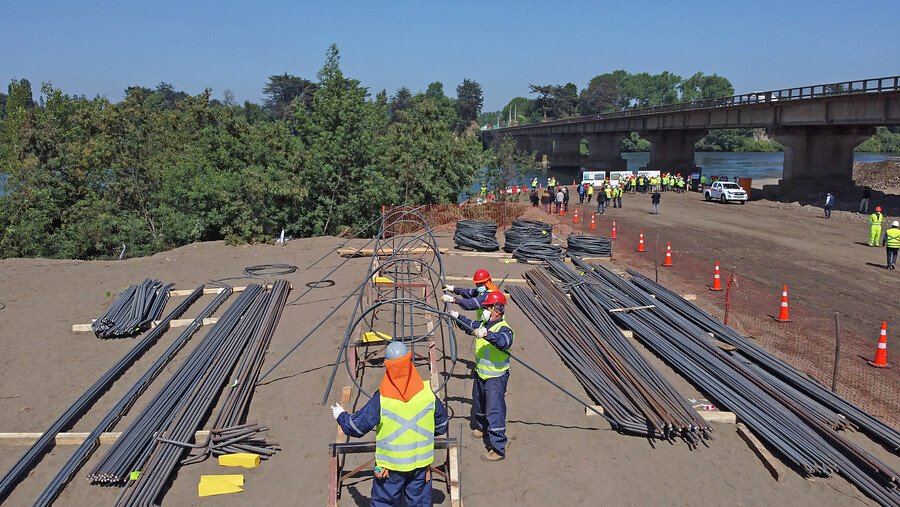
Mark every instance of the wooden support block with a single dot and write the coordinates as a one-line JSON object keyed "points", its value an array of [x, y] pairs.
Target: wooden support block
{"points": [[718, 416], [773, 465], [466, 253], [627, 333], [689, 297], [469, 279], [340, 437], [588, 259], [722, 345], [86, 328], [453, 479], [369, 252], [74, 438], [589, 412], [631, 308]]}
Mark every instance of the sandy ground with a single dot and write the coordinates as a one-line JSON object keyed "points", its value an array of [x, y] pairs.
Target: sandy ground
{"points": [[557, 455]]}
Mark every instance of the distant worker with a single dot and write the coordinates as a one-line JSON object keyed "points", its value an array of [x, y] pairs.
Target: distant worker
{"points": [[534, 197], [472, 299], [891, 242], [829, 204], [565, 191], [608, 191], [406, 416], [534, 183], [581, 193], [590, 191], [619, 192], [654, 203], [875, 221], [864, 203], [493, 340], [601, 201]]}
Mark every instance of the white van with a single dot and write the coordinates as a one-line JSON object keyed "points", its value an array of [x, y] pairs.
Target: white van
{"points": [[595, 178]]}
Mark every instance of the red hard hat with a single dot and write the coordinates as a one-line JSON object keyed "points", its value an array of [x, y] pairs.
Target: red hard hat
{"points": [[494, 298], [481, 276], [878, 209]]}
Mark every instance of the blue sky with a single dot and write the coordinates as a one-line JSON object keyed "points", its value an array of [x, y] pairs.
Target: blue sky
{"points": [[100, 48]]}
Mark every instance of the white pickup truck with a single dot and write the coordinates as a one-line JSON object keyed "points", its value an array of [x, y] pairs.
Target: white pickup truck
{"points": [[725, 191]]}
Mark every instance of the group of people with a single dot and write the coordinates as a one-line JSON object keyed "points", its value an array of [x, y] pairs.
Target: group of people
{"points": [[406, 415], [890, 238]]}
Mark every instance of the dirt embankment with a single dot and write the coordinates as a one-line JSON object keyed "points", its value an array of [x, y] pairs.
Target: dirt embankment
{"points": [[882, 176]]}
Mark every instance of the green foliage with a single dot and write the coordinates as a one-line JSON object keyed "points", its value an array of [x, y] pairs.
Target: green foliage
{"points": [[161, 169], [504, 164], [556, 101], [702, 87], [884, 141], [469, 101], [634, 143]]}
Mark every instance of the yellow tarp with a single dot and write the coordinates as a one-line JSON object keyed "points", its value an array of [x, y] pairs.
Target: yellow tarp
{"points": [[381, 279], [239, 459], [220, 484], [373, 336]]}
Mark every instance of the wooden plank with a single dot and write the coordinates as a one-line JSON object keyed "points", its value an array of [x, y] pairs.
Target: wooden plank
{"points": [[717, 416], [722, 345], [589, 259], [466, 253], [453, 479], [74, 438], [340, 437], [632, 308], [689, 297], [86, 328], [773, 465], [590, 412], [627, 333], [369, 252], [469, 279]]}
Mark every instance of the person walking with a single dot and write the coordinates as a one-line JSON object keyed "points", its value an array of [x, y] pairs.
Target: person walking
{"points": [[601, 201], [565, 191], [875, 221], [560, 197], [829, 204], [590, 192], [534, 183], [493, 340], [608, 192], [581, 193], [891, 240], [654, 203], [619, 192], [864, 203], [534, 198], [406, 415]]}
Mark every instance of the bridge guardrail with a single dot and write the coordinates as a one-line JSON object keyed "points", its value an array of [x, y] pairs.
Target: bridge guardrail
{"points": [[858, 87]]}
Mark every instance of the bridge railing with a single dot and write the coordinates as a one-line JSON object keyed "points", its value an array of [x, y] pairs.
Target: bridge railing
{"points": [[858, 87]]}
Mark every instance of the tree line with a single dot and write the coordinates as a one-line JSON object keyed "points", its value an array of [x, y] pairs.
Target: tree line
{"points": [[620, 90], [162, 168]]}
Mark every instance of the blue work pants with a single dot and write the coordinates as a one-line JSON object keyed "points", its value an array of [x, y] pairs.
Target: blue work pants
{"points": [[489, 410], [414, 486]]}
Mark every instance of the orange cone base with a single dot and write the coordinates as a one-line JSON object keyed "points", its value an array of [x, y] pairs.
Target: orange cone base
{"points": [[884, 367], [715, 290], [776, 319]]}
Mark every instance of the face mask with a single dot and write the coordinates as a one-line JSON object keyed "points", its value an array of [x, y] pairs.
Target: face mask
{"points": [[481, 290]]}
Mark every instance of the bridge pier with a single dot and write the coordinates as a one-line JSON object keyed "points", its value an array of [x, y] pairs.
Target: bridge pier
{"points": [[605, 152], [673, 150], [813, 152]]}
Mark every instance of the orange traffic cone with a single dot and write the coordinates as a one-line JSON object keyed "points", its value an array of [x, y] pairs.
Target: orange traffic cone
{"points": [[574, 184], [575, 220], [593, 225], [641, 242], [560, 209], [613, 235], [881, 352], [783, 313], [717, 282], [668, 262]]}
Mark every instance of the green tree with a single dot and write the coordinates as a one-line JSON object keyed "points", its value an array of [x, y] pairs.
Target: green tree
{"points": [[505, 165], [469, 101], [2, 105], [604, 93], [702, 87], [399, 102], [556, 101], [282, 90]]}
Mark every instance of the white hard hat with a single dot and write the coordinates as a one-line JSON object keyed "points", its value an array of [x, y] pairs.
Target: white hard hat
{"points": [[895, 224], [396, 350]]}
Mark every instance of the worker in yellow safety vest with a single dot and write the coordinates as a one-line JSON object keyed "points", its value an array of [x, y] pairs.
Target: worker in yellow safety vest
{"points": [[891, 241], [493, 340], [875, 221], [406, 416], [472, 299]]}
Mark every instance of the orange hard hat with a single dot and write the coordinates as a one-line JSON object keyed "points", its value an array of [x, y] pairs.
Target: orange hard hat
{"points": [[494, 298], [878, 209], [481, 276]]}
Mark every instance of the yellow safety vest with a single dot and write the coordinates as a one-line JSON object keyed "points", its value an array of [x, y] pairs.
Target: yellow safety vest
{"points": [[490, 361], [893, 238], [404, 437], [480, 313], [876, 219], [608, 192], [590, 189]]}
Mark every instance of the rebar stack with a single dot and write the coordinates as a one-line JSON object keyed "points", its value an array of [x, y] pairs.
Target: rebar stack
{"points": [[799, 436], [82, 404], [133, 311], [524, 232], [588, 246], [476, 235], [777, 368], [633, 393]]}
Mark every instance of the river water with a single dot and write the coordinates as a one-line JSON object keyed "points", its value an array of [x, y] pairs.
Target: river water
{"points": [[742, 165]]}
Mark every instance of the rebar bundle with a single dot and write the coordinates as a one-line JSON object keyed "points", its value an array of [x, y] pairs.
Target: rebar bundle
{"points": [[800, 436], [133, 311], [632, 393], [74, 412], [476, 235], [524, 232], [537, 252], [83, 452], [764, 361], [588, 246]]}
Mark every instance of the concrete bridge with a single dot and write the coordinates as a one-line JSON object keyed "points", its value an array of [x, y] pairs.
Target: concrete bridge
{"points": [[819, 127]]}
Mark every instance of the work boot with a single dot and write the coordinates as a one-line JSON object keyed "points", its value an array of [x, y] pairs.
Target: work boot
{"points": [[492, 455], [477, 433]]}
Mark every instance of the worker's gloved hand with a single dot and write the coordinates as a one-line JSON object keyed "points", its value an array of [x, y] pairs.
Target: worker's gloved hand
{"points": [[337, 410], [454, 313], [481, 332], [449, 288], [447, 298]]}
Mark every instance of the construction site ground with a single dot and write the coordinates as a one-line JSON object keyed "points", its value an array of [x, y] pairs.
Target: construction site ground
{"points": [[557, 455]]}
